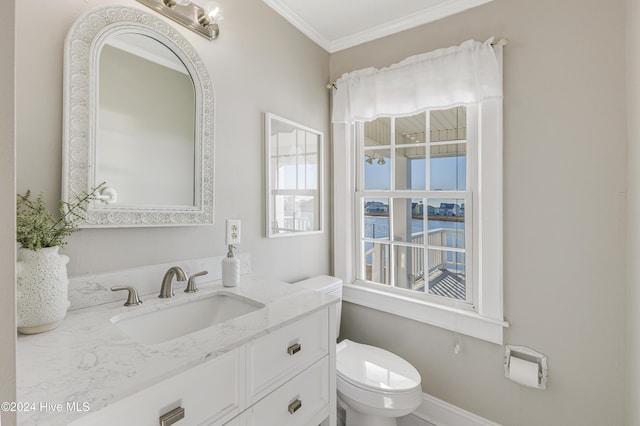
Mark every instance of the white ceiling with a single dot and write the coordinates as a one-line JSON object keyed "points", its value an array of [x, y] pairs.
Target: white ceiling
{"points": [[339, 24]]}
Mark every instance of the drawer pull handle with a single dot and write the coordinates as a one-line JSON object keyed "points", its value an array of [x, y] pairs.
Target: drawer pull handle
{"points": [[294, 349], [295, 406], [172, 417]]}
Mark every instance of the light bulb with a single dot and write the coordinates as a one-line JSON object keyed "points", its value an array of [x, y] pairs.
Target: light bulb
{"points": [[213, 11], [381, 161], [369, 160]]}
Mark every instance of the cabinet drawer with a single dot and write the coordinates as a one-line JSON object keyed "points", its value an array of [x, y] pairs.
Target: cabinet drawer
{"points": [[209, 394], [278, 356], [301, 401]]}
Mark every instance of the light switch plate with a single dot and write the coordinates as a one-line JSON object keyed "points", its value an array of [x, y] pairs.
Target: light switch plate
{"points": [[233, 231]]}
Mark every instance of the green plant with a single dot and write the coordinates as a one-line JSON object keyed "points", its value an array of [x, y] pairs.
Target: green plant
{"points": [[37, 228]]}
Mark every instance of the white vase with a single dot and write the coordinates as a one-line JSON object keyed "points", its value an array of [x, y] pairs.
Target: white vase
{"points": [[42, 286]]}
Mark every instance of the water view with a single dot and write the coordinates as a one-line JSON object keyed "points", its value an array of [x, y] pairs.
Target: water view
{"points": [[378, 226]]}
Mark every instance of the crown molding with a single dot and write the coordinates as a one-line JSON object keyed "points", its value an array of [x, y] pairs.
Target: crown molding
{"points": [[433, 13], [287, 13]]}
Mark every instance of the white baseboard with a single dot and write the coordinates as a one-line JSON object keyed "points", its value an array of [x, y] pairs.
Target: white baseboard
{"points": [[441, 413]]}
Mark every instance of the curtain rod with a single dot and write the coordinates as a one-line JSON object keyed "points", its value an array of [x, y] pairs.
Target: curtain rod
{"points": [[500, 42]]}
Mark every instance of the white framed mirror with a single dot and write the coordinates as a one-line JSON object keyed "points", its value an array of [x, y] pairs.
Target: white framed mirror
{"points": [[293, 165], [138, 116]]}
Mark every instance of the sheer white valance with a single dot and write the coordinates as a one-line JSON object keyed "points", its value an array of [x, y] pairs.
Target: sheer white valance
{"points": [[459, 75]]}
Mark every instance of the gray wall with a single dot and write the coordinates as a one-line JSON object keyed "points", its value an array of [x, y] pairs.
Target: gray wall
{"points": [[7, 211], [633, 199], [564, 208], [259, 64]]}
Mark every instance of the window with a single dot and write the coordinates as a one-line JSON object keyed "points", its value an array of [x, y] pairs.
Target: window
{"points": [[417, 167], [414, 202]]}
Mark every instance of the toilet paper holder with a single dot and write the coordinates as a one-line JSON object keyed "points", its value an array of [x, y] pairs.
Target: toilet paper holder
{"points": [[526, 354]]}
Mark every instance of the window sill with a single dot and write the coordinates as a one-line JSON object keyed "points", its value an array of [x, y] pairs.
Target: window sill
{"points": [[457, 320]]}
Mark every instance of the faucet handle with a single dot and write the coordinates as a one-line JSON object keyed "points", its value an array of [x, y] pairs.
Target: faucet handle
{"points": [[191, 285], [132, 299]]}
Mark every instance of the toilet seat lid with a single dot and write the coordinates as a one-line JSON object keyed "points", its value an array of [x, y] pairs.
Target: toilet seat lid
{"points": [[374, 368]]}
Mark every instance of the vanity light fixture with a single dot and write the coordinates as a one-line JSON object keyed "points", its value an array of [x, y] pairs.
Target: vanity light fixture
{"points": [[202, 20]]}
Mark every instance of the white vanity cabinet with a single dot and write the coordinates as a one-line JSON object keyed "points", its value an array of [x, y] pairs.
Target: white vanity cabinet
{"points": [[300, 401], [288, 374], [283, 378], [279, 356], [210, 393]]}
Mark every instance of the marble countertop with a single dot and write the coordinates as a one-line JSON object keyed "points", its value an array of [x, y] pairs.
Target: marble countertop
{"points": [[88, 363]]}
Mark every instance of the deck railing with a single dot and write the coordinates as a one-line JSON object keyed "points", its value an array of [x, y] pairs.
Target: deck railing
{"points": [[412, 270], [292, 224]]}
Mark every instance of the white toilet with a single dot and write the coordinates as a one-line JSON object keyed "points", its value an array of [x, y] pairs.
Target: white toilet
{"points": [[374, 386]]}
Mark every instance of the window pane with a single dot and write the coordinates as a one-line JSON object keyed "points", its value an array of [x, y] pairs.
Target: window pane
{"points": [[411, 129], [409, 269], [447, 274], [310, 164], [448, 167], [448, 125], [410, 168], [376, 218], [377, 132], [302, 170], [311, 172], [408, 222], [312, 141], [283, 139], [446, 222], [284, 159], [376, 262], [275, 173], [377, 169], [294, 213], [308, 210]]}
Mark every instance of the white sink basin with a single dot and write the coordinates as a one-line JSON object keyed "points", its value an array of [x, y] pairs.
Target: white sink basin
{"points": [[166, 322]]}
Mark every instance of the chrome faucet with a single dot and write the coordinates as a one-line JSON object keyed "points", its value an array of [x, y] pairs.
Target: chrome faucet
{"points": [[167, 282]]}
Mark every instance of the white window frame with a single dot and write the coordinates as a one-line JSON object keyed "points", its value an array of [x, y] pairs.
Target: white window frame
{"points": [[361, 194], [485, 321]]}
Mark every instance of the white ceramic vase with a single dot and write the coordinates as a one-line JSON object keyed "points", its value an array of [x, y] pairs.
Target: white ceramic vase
{"points": [[42, 287]]}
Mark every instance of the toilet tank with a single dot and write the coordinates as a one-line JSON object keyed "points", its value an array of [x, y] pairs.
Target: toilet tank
{"points": [[329, 285]]}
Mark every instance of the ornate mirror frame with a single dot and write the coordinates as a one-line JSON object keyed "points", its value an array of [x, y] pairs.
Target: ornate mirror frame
{"points": [[81, 58]]}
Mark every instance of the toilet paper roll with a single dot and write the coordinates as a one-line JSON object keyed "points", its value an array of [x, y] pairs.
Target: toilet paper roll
{"points": [[523, 372]]}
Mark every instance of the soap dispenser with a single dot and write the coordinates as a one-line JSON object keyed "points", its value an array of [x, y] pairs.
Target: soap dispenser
{"points": [[230, 269]]}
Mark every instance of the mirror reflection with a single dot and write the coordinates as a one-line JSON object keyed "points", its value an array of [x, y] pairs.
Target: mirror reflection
{"points": [[294, 179], [145, 141]]}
